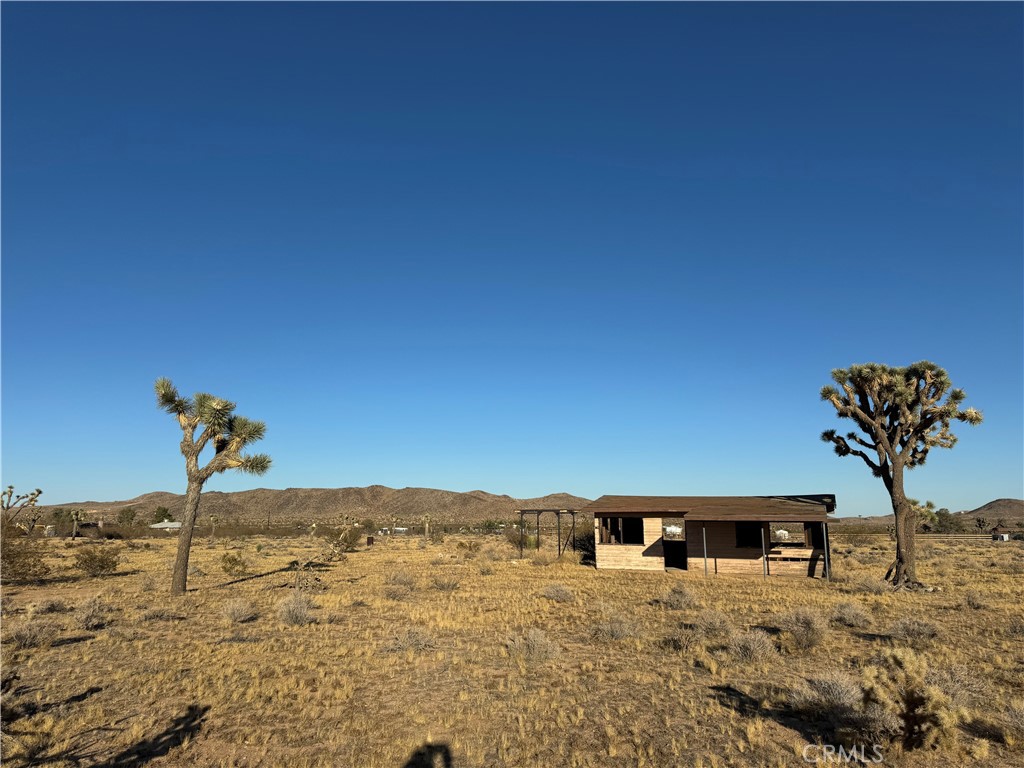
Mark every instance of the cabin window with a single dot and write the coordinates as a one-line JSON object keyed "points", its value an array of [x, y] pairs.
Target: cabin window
{"points": [[748, 535], [622, 530]]}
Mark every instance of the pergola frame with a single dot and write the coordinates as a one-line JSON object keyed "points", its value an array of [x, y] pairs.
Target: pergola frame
{"points": [[562, 545]]}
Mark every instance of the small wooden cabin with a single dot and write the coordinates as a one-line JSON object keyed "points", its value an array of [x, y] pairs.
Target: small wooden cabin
{"points": [[720, 534], [999, 533]]}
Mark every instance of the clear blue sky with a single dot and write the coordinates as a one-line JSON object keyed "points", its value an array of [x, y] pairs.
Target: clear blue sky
{"points": [[596, 248]]}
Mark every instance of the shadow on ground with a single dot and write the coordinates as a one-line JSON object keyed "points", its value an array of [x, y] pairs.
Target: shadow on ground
{"points": [[431, 756]]}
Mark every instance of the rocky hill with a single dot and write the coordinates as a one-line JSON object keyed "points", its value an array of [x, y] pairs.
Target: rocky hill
{"points": [[332, 504]]}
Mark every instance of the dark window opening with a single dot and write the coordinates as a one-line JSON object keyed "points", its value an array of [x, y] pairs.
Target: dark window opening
{"points": [[748, 535], [622, 530]]}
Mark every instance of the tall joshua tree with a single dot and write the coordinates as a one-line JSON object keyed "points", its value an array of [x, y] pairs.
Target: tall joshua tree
{"points": [[227, 433], [902, 413]]}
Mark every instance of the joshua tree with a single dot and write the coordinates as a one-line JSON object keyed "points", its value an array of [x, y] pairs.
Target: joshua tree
{"points": [[77, 516], [228, 434], [981, 523], [904, 413], [11, 506]]}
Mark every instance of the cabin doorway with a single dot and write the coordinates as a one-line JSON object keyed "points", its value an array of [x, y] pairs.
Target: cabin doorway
{"points": [[674, 542]]}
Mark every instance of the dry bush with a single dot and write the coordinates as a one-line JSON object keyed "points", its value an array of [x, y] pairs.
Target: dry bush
{"points": [[850, 615], [160, 613], [713, 624], [410, 640], [401, 579], [486, 570], [92, 614], [678, 598], [97, 561], [239, 610], [754, 646], [446, 584], [612, 627], [683, 640], [974, 600], [21, 558], [806, 628], [898, 686], [1013, 717], [535, 645], [543, 557], [47, 606], [32, 634], [916, 633], [147, 583], [559, 593], [294, 610], [1015, 628], [959, 683], [234, 565], [870, 585]]}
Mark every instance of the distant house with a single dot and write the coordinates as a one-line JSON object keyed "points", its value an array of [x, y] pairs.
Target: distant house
{"points": [[167, 525], [720, 534], [999, 533]]}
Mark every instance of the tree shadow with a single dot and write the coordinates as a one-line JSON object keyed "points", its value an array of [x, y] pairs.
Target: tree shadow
{"points": [[182, 728], [431, 756], [10, 712], [825, 732]]}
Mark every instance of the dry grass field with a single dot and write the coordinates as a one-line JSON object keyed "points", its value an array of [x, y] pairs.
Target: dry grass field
{"points": [[455, 653]]}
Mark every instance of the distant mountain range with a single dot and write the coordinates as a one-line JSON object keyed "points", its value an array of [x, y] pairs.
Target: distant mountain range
{"points": [[332, 504], [1011, 511], [409, 505]]}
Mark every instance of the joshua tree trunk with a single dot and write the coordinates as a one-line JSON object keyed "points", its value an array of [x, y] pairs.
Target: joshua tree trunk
{"points": [[903, 571], [188, 524]]}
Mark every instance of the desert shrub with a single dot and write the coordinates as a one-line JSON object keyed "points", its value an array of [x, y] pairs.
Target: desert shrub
{"points": [[613, 627], [446, 584], [92, 614], [678, 598], [410, 640], [439, 560], [397, 593], [160, 613], [1015, 628], [97, 561], [234, 565], [870, 585], [837, 700], [469, 548], [753, 646], [974, 600], [437, 537], [898, 686], [1013, 716], [21, 558], [962, 685], [535, 645], [543, 557], [147, 583], [850, 615], [494, 553], [514, 535], [32, 634], [806, 629], [486, 569], [683, 640], [559, 593], [47, 606], [239, 610], [294, 610], [586, 547], [713, 624], [916, 633], [400, 579]]}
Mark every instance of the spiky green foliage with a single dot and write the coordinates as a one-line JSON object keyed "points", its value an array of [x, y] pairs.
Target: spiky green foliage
{"points": [[900, 410], [898, 686]]}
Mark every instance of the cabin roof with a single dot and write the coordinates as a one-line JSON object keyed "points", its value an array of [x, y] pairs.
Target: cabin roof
{"points": [[804, 508]]}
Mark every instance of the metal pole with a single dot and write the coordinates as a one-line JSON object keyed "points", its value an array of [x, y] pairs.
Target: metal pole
{"points": [[764, 556], [828, 562], [520, 534], [704, 534], [559, 516], [574, 530]]}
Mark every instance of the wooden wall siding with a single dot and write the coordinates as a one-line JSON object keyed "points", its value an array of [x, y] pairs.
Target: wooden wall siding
{"points": [[635, 557], [723, 554]]}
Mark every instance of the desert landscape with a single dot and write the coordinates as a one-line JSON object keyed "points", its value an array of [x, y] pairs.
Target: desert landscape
{"points": [[452, 651]]}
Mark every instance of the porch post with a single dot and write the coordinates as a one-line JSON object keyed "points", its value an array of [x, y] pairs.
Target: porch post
{"points": [[828, 560], [704, 535], [559, 516], [764, 555]]}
